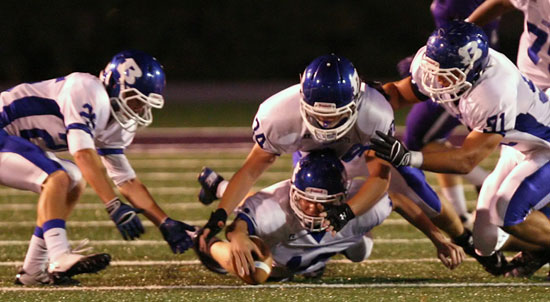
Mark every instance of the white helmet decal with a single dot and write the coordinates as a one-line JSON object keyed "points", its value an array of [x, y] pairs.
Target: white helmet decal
{"points": [[129, 71], [470, 53]]}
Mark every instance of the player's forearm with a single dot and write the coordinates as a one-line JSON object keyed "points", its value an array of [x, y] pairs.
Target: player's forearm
{"points": [[93, 171], [414, 215], [139, 196], [368, 195], [489, 11], [454, 161], [400, 93]]}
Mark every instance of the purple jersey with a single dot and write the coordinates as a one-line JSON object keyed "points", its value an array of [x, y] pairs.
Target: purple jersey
{"points": [[444, 11]]}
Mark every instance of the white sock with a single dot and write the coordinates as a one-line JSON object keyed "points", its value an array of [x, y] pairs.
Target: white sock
{"points": [[477, 176], [36, 257], [455, 195], [56, 242], [221, 188]]}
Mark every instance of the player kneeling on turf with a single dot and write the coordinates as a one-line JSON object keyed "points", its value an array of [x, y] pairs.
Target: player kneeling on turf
{"points": [[293, 238]]}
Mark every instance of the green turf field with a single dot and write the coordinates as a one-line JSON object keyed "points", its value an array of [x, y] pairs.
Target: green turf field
{"points": [[402, 267], [228, 114]]}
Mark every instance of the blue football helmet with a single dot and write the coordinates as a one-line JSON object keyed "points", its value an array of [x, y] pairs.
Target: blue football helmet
{"points": [[330, 87], [456, 55], [134, 82], [319, 177]]}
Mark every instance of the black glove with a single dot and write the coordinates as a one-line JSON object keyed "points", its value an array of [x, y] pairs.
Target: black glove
{"points": [[213, 223], [176, 234], [391, 149], [125, 218], [338, 215]]}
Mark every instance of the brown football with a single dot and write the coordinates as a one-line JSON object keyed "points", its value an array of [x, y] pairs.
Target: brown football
{"points": [[263, 265]]}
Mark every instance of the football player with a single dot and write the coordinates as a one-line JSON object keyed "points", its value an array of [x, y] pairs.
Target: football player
{"points": [[428, 125], [488, 94], [92, 118], [330, 108], [287, 217], [533, 61]]}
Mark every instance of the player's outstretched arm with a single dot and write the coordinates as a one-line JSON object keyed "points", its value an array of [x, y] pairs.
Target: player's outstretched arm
{"points": [[173, 231], [457, 160], [401, 93], [489, 11], [368, 195], [240, 184], [124, 216], [240, 250], [450, 254]]}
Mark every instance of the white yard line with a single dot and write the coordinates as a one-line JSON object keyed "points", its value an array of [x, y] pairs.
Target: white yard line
{"points": [[277, 286]]}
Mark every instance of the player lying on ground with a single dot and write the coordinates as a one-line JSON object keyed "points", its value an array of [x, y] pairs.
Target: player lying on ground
{"points": [[288, 217], [332, 108]]}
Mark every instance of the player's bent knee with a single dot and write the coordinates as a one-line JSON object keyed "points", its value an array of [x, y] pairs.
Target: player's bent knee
{"points": [[58, 179], [361, 250]]}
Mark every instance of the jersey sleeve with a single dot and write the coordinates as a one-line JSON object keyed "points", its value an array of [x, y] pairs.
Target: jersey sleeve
{"points": [[111, 144], [263, 211], [118, 167], [375, 114], [277, 127], [85, 107], [496, 113]]}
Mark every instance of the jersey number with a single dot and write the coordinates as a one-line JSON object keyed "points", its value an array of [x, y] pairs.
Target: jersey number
{"points": [[260, 137], [494, 122], [539, 42]]}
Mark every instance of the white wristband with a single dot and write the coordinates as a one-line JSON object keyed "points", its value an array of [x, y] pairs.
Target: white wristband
{"points": [[416, 159]]}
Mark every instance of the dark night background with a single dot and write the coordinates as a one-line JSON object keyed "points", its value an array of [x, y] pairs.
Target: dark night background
{"points": [[202, 41]]}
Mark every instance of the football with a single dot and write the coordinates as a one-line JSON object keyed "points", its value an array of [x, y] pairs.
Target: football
{"points": [[262, 265]]}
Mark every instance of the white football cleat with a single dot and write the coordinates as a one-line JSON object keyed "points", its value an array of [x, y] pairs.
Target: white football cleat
{"points": [[70, 264]]}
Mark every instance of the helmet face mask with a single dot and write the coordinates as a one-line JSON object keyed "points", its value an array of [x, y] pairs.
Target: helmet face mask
{"points": [[456, 56], [330, 87], [319, 179], [134, 82]]}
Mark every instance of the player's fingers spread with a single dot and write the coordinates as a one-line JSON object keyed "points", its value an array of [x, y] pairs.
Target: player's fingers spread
{"points": [[244, 263], [258, 252]]}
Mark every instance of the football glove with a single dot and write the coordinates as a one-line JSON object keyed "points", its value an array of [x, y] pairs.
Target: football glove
{"points": [[213, 223], [338, 215], [125, 218], [175, 233], [392, 150]]}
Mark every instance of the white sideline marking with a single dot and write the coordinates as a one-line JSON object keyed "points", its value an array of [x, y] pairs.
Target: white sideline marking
{"points": [[276, 286], [161, 242], [99, 206]]}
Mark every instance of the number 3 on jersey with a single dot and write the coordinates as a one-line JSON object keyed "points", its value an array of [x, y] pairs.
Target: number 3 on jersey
{"points": [[258, 137]]}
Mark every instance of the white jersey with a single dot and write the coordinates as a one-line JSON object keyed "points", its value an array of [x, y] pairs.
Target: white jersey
{"points": [[269, 216], [501, 101], [534, 45], [278, 126], [68, 113]]}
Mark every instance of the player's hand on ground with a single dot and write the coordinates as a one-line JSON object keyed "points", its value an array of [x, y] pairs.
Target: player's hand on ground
{"points": [[215, 224], [391, 149], [336, 217], [241, 252], [450, 254], [125, 218], [176, 234]]}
